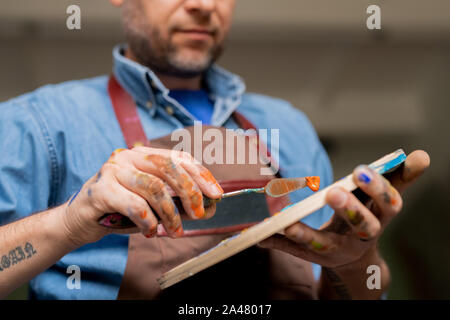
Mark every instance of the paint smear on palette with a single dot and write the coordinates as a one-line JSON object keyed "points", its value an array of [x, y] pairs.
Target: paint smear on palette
{"points": [[280, 187], [313, 183]]}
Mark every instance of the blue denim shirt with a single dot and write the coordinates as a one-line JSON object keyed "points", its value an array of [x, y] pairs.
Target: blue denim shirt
{"points": [[56, 137]]}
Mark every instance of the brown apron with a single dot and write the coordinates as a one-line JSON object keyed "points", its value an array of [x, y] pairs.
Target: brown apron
{"points": [[255, 272]]}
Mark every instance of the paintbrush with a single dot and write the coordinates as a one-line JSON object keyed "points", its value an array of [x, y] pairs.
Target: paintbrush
{"points": [[277, 187]]}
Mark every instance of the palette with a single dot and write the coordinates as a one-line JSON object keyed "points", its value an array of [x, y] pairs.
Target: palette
{"points": [[268, 227]]}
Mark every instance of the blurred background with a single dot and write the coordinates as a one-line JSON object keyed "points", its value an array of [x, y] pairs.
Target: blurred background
{"points": [[367, 92]]}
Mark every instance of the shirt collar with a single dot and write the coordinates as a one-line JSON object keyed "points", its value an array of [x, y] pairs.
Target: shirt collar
{"points": [[226, 89]]}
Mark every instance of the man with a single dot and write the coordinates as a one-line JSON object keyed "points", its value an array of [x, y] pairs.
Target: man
{"points": [[55, 154]]}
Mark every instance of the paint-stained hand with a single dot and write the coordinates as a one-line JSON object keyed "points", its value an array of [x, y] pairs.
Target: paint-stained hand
{"points": [[139, 184], [357, 223]]}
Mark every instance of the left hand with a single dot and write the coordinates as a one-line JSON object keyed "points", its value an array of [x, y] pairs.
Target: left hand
{"points": [[355, 227]]}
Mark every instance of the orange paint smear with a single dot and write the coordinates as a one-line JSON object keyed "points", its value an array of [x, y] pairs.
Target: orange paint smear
{"points": [[199, 212], [116, 152], [143, 214], [161, 162], [179, 232], [152, 233], [167, 207], [186, 183], [393, 195], [284, 186], [313, 183], [363, 235], [197, 205], [207, 175]]}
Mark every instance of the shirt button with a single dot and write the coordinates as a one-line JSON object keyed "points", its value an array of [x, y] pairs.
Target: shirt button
{"points": [[169, 110], [149, 104]]}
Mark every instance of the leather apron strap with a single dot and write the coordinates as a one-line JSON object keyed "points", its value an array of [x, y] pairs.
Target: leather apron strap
{"points": [[126, 114]]}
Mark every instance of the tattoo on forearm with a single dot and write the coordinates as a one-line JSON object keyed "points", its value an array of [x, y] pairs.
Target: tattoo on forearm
{"points": [[339, 287], [16, 255]]}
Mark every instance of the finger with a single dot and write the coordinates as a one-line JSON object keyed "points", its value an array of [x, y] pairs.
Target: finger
{"points": [[357, 216], [210, 211], [315, 240], [384, 195], [181, 182], [202, 176], [175, 176], [109, 196], [415, 165], [152, 189]]}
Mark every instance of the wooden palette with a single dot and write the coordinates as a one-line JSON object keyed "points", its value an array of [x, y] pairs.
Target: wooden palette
{"points": [[268, 227]]}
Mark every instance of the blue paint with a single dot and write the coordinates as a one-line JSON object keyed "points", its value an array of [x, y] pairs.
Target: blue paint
{"points": [[99, 175], [288, 206], [364, 178], [390, 165], [74, 196]]}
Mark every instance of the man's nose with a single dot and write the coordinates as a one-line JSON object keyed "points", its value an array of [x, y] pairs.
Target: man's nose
{"points": [[201, 6]]}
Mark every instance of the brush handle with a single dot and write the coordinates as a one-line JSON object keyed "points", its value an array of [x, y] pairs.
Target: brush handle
{"points": [[275, 188], [119, 221]]}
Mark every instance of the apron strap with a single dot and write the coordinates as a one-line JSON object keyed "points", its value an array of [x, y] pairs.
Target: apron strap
{"points": [[246, 124], [126, 114]]}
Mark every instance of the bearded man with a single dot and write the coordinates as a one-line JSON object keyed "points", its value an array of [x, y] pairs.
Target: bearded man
{"points": [[56, 149]]}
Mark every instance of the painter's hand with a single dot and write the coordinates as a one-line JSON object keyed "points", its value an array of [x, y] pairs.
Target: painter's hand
{"points": [[134, 183], [356, 226]]}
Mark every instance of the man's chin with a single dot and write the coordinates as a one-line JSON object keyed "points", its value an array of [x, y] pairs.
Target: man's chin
{"points": [[190, 65]]}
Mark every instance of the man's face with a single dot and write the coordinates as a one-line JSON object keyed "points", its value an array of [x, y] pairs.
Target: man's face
{"points": [[177, 37]]}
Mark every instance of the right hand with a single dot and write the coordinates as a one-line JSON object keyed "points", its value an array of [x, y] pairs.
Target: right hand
{"points": [[133, 180]]}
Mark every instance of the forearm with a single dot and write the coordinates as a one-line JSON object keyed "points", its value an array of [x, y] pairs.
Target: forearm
{"points": [[30, 246], [350, 281]]}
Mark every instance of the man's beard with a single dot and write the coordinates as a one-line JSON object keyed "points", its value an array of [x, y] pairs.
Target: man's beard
{"points": [[162, 57]]}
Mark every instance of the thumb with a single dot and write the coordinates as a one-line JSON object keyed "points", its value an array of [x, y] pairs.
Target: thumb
{"points": [[415, 165]]}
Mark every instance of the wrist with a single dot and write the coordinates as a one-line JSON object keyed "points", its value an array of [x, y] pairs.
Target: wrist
{"points": [[360, 267], [58, 231]]}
